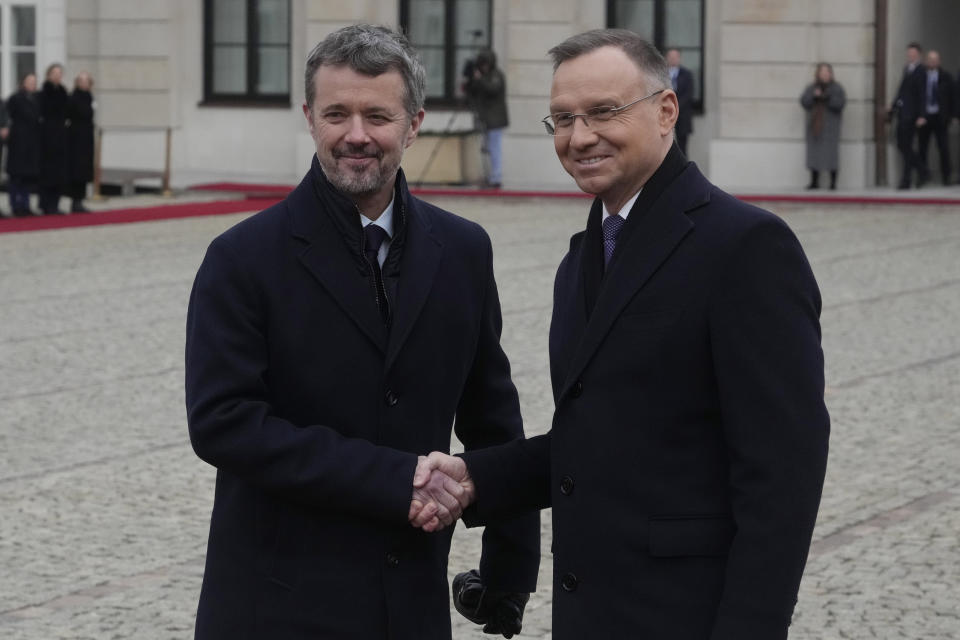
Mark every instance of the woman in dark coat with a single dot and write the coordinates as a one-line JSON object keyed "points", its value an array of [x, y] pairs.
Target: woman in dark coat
{"points": [[80, 140], [23, 145], [53, 140], [823, 101]]}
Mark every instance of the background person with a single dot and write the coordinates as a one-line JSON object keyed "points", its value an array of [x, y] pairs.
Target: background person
{"points": [[53, 140], [23, 145], [908, 107], [486, 88], [330, 340], [681, 79], [80, 140], [823, 101], [938, 112]]}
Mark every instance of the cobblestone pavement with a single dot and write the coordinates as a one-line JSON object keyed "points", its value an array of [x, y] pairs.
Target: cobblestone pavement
{"points": [[104, 508]]}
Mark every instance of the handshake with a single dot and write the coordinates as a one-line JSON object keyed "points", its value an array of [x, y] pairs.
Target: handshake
{"points": [[442, 489]]}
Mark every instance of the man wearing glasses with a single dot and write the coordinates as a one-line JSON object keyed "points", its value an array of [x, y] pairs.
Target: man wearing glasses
{"points": [[689, 441]]}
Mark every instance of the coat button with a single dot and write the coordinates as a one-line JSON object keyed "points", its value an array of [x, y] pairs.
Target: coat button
{"points": [[569, 582], [566, 485], [577, 389], [393, 560], [391, 399]]}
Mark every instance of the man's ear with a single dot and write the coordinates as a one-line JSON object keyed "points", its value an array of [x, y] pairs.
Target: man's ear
{"points": [[415, 124], [309, 116], [669, 110]]}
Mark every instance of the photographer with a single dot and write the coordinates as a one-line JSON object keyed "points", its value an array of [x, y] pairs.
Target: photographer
{"points": [[486, 89]]}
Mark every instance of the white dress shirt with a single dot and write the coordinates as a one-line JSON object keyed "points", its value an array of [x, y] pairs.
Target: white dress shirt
{"points": [[625, 211]]}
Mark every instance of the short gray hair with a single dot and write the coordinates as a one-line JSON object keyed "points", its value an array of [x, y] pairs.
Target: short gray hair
{"points": [[643, 53], [371, 50]]}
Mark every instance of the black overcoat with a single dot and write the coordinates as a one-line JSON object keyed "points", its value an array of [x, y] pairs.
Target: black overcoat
{"points": [[685, 101], [23, 142], [80, 136], [909, 101], [687, 454], [314, 413], [53, 135]]}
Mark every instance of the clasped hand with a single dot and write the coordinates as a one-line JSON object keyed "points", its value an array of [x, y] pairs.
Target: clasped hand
{"points": [[442, 489]]}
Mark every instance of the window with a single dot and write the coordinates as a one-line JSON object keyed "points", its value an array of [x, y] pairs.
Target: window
{"points": [[668, 24], [448, 34], [247, 51], [18, 45]]}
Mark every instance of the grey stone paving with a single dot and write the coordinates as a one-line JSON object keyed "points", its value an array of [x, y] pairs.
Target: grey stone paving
{"points": [[104, 508]]}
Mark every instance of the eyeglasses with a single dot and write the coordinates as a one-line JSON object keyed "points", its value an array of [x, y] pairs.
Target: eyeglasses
{"points": [[561, 124]]}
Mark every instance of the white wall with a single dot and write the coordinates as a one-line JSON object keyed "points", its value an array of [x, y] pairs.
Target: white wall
{"points": [[766, 56]]}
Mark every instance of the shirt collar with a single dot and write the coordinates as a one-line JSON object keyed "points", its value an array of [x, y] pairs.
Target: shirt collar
{"points": [[625, 211], [385, 221]]}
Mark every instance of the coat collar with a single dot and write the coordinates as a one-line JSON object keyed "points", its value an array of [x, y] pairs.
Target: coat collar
{"points": [[321, 218], [638, 256]]}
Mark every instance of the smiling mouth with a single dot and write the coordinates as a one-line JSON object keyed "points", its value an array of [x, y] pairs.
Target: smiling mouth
{"points": [[591, 161]]}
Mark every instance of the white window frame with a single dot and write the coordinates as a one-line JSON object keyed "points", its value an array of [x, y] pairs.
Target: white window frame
{"points": [[9, 83]]}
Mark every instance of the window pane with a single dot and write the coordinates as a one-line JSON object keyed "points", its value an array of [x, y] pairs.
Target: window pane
{"points": [[636, 15], [472, 23], [229, 21], [229, 69], [433, 61], [683, 24], [24, 62], [274, 75], [426, 23], [273, 21], [24, 21]]}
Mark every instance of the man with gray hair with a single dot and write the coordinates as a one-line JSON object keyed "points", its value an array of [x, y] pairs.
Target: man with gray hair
{"points": [[689, 439], [331, 341]]}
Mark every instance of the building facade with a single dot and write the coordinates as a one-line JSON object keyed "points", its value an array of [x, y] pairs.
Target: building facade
{"points": [[226, 76]]}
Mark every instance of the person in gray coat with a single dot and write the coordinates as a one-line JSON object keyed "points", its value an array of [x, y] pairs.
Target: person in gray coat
{"points": [[823, 101]]}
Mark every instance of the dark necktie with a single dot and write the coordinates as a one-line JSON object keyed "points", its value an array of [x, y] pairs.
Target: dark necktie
{"points": [[611, 229], [374, 236]]}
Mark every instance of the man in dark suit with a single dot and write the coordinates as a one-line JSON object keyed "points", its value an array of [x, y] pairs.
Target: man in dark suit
{"points": [[682, 82], [938, 112], [330, 340], [908, 107], [689, 442]]}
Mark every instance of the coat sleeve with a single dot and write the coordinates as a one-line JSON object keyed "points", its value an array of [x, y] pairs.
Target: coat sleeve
{"points": [[765, 336], [489, 414], [806, 98], [836, 98], [234, 427], [489, 84]]}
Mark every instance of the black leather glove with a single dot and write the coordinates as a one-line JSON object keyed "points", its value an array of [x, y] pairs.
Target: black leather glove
{"points": [[498, 611]]}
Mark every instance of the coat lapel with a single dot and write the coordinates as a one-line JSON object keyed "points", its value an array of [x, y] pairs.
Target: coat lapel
{"points": [[422, 252], [663, 227], [326, 257]]}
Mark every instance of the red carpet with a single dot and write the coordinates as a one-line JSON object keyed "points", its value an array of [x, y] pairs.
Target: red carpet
{"points": [[261, 190], [261, 196], [142, 214]]}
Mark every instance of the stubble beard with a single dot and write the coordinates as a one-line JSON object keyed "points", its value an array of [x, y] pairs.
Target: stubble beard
{"points": [[360, 182]]}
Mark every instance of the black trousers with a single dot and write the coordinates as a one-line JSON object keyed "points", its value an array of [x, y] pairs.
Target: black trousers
{"points": [[49, 198], [937, 125], [18, 188], [905, 134]]}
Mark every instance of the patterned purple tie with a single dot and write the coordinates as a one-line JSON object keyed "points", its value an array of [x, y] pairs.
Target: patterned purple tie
{"points": [[611, 229]]}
